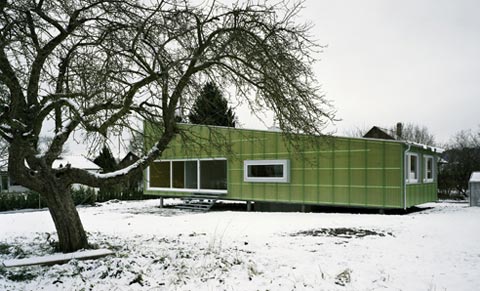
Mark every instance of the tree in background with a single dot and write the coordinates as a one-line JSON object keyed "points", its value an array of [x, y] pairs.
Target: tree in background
{"points": [[462, 157], [413, 132], [465, 139], [106, 160], [211, 108], [108, 164], [408, 132], [94, 67], [136, 144]]}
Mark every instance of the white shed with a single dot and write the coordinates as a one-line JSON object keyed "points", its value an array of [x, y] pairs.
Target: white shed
{"points": [[474, 189]]}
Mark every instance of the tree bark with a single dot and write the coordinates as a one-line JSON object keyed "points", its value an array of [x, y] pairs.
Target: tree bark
{"points": [[70, 231]]}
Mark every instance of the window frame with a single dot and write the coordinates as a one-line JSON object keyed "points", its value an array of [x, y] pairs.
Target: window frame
{"points": [[408, 167], [285, 175], [425, 169], [187, 190]]}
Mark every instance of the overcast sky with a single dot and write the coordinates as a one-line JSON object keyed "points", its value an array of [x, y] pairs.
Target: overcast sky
{"points": [[388, 61]]}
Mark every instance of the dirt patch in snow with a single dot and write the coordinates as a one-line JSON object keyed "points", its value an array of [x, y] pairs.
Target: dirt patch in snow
{"points": [[341, 232]]}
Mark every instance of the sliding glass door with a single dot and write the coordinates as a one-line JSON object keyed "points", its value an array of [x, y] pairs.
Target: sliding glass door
{"points": [[200, 175]]}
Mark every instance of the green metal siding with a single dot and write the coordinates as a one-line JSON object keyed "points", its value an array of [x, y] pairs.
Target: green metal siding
{"points": [[422, 192], [323, 170]]}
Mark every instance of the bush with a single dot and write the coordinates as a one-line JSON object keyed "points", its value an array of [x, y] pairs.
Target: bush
{"points": [[81, 196], [20, 200], [105, 195], [452, 195]]}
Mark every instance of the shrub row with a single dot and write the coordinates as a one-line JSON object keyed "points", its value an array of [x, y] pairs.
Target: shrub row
{"points": [[103, 196], [81, 196], [20, 200]]}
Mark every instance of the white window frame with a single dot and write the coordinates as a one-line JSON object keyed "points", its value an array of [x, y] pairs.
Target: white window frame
{"points": [[189, 190], [408, 164], [284, 179], [425, 169]]}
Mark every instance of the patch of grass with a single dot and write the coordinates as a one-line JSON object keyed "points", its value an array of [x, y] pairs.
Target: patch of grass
{"points": [[5, 248], [341, 232], [22, 275], [343, 278], [18, 252], [137, 280]]}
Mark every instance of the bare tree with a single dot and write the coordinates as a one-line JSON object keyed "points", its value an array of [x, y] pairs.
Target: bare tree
{"points": [[413, 132], [93, 65], [462, 158], [465, 139]]}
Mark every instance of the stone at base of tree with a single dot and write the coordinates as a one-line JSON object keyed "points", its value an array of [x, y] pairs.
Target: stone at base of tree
{"points": [[58, 258]]}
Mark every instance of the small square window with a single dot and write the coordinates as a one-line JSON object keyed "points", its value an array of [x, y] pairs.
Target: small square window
{"points": [[266, 171], [429, 169], [412, 168]]}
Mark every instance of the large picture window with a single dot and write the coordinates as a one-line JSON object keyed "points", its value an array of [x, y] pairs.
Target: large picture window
{"points": [[266, 171], [412, 168], [191, 174], [213, 174], [160, 174], [208, 176], [429, 169]]}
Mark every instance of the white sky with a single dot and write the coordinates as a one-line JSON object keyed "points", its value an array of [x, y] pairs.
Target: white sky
{"points": [[389, 61]]}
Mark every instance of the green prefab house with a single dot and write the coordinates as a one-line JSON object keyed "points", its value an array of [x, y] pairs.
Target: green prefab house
{"points": [[264, 166]]}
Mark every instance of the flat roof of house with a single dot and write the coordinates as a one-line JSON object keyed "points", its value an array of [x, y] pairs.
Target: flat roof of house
{"points": [[277, 130]]}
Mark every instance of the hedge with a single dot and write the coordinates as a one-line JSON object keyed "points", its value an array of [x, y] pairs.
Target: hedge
{"points": [[81, 196]]}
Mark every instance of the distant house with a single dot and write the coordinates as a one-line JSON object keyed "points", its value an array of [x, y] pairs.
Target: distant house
{"points": [[134, 183], [8, 184], [129, 159], [377, 132]]}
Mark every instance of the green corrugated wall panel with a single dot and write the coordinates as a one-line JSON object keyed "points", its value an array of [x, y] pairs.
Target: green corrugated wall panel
{"points": [[283, 192], [419, 193], [358, 192], [270, 192], [341, 171], [374, 154], [341, 195], [375, 197], [310, 185], [311, 195]]}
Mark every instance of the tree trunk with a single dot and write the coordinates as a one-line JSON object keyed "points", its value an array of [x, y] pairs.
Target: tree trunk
{"points": [[71, 235]]}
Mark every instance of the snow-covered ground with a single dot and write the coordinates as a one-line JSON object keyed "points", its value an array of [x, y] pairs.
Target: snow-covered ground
{"points": [[167, 249]]}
